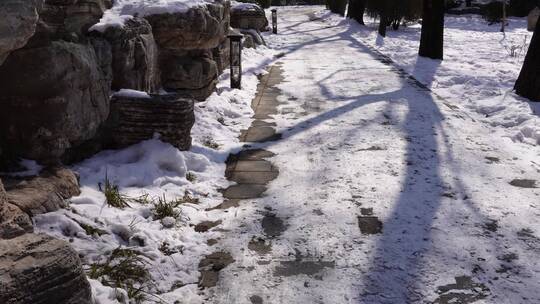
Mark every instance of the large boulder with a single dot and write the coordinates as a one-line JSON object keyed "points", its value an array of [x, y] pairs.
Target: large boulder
{"points": [[13, 221], [44, 193], [18, 20], [199, 27], [134, 119], [53, 97], [248, 16], [134, 56], [189, 75], [67, 19], [40, 269]]}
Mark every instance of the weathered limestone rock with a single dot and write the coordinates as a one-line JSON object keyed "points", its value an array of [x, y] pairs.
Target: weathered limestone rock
{"points": [[221, 55], [40, 269], [13, 222], [53, 97], [190, 76], [248, 16], [67, 19], [44, 193], [18, 20], [252, 38], [134, 56], [198, 28], [135, 119]]}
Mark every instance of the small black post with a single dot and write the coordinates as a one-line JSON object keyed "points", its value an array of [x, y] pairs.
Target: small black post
{"points": [[274, 21], [236, 60]]}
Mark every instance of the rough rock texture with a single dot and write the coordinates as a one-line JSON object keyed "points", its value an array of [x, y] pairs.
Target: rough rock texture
{"points": [[193, 48], [252, 38], [191, 76], [221, 55], [13, 222], [18, 20], [67, 19], [248, 16], [44, 193], [202, 27], [53, 97], [134, 56], [41, 269], [135, 119]]}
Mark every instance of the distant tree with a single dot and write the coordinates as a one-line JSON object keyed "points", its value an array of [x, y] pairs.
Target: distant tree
{"points": [[432, 37], [356, 10], [392, 13], [337, 6], [528, 82]]}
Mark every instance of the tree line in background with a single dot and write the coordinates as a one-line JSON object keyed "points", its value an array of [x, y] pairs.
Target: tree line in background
{"points": [[392, 13]]}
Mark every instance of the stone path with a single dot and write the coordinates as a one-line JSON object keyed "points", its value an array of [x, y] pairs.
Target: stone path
{"points": [[249, 168]]}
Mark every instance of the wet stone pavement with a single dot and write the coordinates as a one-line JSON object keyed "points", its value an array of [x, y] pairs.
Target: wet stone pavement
{"points": [[251, 171]]}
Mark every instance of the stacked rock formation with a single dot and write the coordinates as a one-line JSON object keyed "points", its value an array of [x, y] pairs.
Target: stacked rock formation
{"points": [[57, 73], [192, 48], [57, 76], [55, 90], [133, 119], [36, 268], [250, 20]]}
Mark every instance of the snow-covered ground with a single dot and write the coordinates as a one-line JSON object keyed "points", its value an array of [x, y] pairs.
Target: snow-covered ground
{"points": [[363, 145], [480, 68], [435, 170], [155, 169]]}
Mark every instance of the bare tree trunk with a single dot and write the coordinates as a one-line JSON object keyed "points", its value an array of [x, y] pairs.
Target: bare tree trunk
{"points": [[356, 11], [528, 82], [504, 16], [383, 23], [432, 38]]}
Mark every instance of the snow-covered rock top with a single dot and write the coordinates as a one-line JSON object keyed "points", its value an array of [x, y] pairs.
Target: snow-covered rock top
{"points": [[244, 6], [124, 10]]}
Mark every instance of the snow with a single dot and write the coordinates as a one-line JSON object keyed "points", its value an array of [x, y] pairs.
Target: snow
{"points": [[434, 167], [124, 10], [479, 70], [30, 168], [439, 176], [157, 169], [244, 6], [129, 93]]}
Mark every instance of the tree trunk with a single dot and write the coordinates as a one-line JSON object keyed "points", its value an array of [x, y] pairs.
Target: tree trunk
{"points": [[383, 23], [356, 11], [528, 82], [432, 38]]}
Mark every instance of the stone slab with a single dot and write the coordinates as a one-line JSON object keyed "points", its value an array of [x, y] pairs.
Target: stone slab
{"points": [[244, 191], [261, 178]]}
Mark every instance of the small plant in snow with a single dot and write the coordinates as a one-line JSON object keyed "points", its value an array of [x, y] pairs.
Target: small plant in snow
{"points": [[517, 50], [113, 197], [144, 199], [126, 269], [91, 230], [188, 199], [190, 176], [167, 250], [164, 208], [208, 142]]}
